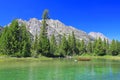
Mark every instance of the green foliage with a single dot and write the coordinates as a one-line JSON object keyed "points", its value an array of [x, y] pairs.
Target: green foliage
{"points": [[69, 45], [26, 42], [13, 40], [35, 44], [0, 31], [73, 43], [99, 49], [53, 45], [10, 38], [34, 48], [118, 47], [89, 47], [4, 41], [63, 46], [114, 50], [72, 49], [45, 15], [43, 43], [82, 48]]}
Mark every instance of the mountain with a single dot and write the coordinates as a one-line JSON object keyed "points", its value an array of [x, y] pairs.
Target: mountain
{"points": [[58, 28], [54, 27], [97, 35]]}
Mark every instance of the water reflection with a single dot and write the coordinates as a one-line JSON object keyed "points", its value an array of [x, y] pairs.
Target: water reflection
{"points": [[60, 70]]}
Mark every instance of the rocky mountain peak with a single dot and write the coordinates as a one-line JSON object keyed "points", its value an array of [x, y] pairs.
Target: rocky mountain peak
{"points": [[58, 28], [97, 35]]}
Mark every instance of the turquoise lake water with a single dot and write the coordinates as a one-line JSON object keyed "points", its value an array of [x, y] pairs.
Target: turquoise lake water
{"points": [[60, 69]]}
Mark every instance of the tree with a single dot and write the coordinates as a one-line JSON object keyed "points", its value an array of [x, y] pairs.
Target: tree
{"points": [[105, 46], [44, 45], [63, 47], [53, 45], [45, 15], [15, 40], [1, 28], [89, 47], [99, 49], [10, 38], [82, 48], [4, 41], [118, 46], [73, 44], [69, 45], [35, 46], [72, 49], [78, 44], [25, 41], [113, 48]]}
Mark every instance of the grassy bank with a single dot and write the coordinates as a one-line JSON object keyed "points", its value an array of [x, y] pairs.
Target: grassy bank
{"points": [[8, 58], [99, 57], [42, 58]]}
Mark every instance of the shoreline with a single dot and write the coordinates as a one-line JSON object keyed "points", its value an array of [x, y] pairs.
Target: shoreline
{"points": [[42, 58], [100, 57], [8, 58]]}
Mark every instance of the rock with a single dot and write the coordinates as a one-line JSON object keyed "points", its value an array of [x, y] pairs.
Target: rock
{"points": [[96, 35], [54, 27]]}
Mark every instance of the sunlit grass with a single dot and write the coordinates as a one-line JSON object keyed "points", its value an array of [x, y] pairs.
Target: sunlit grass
{"points": [[100, 57], [42, 58], [8, 58]]}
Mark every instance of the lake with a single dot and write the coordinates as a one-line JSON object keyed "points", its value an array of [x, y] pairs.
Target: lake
{"points": [[60, 69]]}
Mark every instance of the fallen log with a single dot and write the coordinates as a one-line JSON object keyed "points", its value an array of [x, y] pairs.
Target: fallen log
{"points": [[83, 59]]}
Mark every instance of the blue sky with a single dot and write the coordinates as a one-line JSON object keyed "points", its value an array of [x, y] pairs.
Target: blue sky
{"points": [[88, 15]]}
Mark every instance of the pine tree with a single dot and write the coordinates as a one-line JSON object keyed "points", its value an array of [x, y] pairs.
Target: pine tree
{"points": [[63, 47], [69, 45], [113, 48], [58, 49], [105, 46], [44, 45], [0, 31], [99, 49], [78, 44], [90, 48], [4, 41], [73, 43], [35, 46], [10, 37], [26, 42], [82, 48], [53, 45], [14, 39], [118, 47]]}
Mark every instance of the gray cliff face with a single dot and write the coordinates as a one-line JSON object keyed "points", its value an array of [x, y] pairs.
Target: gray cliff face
{"points": [[54, 27], [97, 35], [63, 29], [58, 29]]}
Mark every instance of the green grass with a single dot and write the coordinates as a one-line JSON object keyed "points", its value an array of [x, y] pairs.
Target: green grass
{"points": [[99, 57], [40, 58], [8, 58]]}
